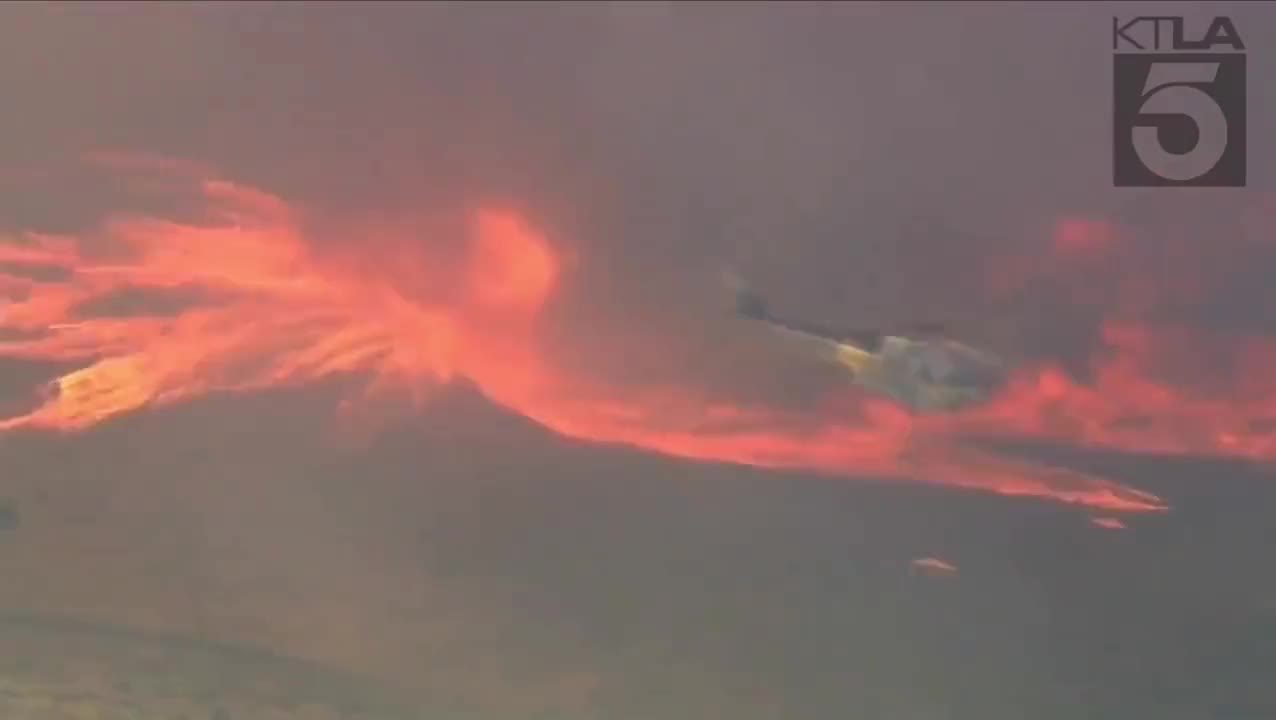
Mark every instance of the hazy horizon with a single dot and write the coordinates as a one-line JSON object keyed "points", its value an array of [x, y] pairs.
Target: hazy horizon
{"points": [[554, 500]]}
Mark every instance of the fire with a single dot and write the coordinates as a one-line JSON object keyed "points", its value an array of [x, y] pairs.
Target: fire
{"points": [[934, 566], [263, 306]]}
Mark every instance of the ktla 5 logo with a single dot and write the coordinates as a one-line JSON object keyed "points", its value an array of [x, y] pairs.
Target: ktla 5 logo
{"points": [[1178, 117]]}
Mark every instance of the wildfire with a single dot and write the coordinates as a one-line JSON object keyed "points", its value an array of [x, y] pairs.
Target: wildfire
{"points": [[260, 306]]}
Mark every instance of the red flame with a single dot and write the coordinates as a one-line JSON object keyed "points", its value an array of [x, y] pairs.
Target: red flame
{"points": [[271, 308]]}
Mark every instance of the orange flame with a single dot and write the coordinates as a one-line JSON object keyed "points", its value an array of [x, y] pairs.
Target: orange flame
{"points": [[267, 308], [1108, 523]]}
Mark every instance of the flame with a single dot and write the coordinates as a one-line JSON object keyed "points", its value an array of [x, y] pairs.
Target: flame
{"points": [[1108, 523], [266, 307], [934, 566]]}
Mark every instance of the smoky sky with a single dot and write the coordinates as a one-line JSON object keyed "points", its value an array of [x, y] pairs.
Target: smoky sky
{"points": [[842, 153], [862, 163]]}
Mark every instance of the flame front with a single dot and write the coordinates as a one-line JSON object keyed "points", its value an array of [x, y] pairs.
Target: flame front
{"points": [[262, 306]]}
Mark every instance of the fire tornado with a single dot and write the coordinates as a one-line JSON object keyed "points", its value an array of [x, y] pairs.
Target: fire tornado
{"points": [[255, 304]]}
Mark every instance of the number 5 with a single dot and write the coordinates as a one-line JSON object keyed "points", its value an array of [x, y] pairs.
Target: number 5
{"points": [[1166, 93]]}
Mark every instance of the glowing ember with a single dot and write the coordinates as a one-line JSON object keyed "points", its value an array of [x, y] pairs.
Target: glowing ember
{"points": [[934, 566]]}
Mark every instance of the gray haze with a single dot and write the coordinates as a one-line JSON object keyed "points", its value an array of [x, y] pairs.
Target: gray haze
{"points": [[861, 161]]}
